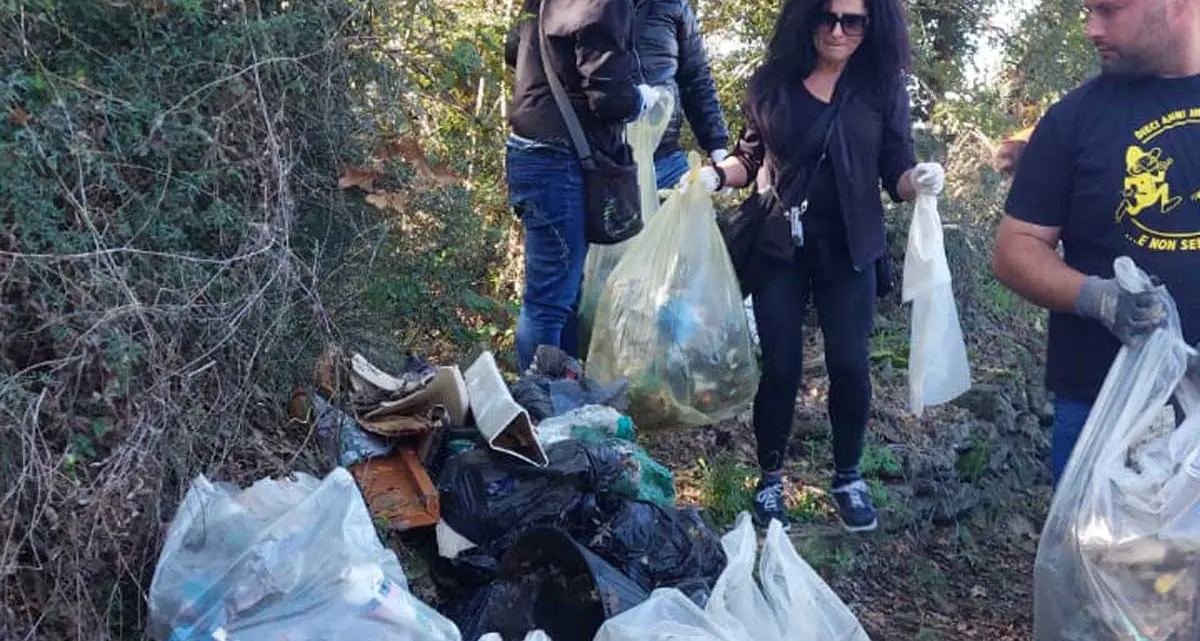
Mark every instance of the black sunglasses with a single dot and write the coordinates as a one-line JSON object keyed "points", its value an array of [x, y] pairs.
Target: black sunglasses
{"points": [[853, 24]]}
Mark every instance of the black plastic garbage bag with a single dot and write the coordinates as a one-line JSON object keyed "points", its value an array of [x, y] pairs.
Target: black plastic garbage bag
{"points": [[656, 547], [555, 384], [548, 582], [491, 498], [494, 500]]}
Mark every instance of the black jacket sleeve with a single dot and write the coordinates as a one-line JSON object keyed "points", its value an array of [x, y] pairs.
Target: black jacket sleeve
{"points": [[896, 154], [751, 151], [697, 90], [602, 31]]}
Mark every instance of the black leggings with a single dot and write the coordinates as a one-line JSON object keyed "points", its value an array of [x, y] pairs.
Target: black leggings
{"points": [[845, 303]]}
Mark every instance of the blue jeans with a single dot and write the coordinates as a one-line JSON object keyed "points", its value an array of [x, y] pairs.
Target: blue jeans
{"points": [[1069, 419], [669, 169], [545, 189]]}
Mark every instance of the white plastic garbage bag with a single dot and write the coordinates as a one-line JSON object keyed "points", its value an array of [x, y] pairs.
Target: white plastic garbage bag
{"points": [[938, 370], [536, 635], [294, 558], [667, 615], [672, 320], [643, 136], [790, 601], [1119, 557]]}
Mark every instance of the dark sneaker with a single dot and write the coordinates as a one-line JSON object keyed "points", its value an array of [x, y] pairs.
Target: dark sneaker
{"points": [[854, 506], [768, 504]]}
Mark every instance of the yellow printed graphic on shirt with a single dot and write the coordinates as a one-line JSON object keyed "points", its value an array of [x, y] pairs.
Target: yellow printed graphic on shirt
{"points": [[1159, 207], [1146, 182]]}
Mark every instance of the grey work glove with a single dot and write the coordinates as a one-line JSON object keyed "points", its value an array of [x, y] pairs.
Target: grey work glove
{"points": [[1127, 315]]}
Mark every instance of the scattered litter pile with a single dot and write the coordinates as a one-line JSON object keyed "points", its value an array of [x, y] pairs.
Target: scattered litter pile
{"points": [[387, 429], [545, 527], [1119, 558]]}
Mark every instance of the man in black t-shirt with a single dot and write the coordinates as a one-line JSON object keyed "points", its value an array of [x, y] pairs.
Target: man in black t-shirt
{"points": [[1111, 170]]}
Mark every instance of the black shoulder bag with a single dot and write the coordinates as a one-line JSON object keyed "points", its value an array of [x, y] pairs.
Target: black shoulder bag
{"points": [[613, 209], [742, 227]]}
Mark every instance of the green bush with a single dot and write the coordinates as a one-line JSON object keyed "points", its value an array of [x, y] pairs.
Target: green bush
{"points": [[175, 248]]}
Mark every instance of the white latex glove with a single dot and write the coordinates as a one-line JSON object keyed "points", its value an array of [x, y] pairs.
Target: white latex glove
{"points": [[718, 155], [649, 97], [708, 177], [929, 178]]}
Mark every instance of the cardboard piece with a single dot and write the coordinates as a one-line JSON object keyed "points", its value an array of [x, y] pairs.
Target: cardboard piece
{"points": [[504, 424]]}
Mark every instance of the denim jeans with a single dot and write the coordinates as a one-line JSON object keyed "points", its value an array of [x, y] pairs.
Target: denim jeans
{"points": [[1069, 419], [669, 169], [845, 304], [545, 189]]}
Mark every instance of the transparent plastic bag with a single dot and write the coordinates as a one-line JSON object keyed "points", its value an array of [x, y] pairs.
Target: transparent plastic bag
{"points": [[667, 615], [938, 370], [737, 603], [671, 320], [643, 135], [293, 558], [793, 602], [1119, 557]]}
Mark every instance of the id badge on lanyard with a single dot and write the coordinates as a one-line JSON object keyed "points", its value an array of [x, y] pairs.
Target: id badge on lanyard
{"points": [[796, 216]]}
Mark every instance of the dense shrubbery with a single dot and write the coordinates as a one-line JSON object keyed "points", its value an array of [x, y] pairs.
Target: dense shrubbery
{"points": [[174, 246]]}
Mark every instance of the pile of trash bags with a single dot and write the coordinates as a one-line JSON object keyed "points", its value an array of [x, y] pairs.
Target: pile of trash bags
{"points": [[571, 542], [672, 321], [1119, 557]]}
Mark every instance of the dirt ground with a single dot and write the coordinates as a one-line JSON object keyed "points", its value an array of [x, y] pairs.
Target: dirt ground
{"points": [[953, 558]]}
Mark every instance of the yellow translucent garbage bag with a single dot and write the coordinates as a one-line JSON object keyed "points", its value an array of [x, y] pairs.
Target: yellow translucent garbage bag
{"points": [[671, 320], [644, 135], [938, 370]]}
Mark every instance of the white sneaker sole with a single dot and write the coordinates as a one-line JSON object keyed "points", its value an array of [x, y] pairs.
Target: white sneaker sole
{"points": [[870, 527]]}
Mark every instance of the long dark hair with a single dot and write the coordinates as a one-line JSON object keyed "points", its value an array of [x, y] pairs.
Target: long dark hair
{"points": [[879, 63]]}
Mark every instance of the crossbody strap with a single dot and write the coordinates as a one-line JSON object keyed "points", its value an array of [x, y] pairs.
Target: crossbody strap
{"points": [[832, 115], [570, 118]]}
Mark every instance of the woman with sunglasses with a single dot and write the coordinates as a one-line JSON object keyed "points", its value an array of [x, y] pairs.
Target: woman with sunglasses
{"points": [[830, 104]]}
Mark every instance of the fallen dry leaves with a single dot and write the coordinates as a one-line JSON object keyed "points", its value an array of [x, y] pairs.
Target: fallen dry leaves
{"points": [[406, 149]]}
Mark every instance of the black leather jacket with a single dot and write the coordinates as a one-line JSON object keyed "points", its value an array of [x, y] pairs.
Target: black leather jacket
{"points": [[670, 51]]}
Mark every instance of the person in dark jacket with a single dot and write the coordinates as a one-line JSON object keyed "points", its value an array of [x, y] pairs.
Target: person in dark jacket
{"points": [[670, 49], [592, 55], [841, 62]]}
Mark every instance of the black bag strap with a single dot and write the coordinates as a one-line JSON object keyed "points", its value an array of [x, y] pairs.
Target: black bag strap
{"points": [[830, 119], [570, 118]]}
